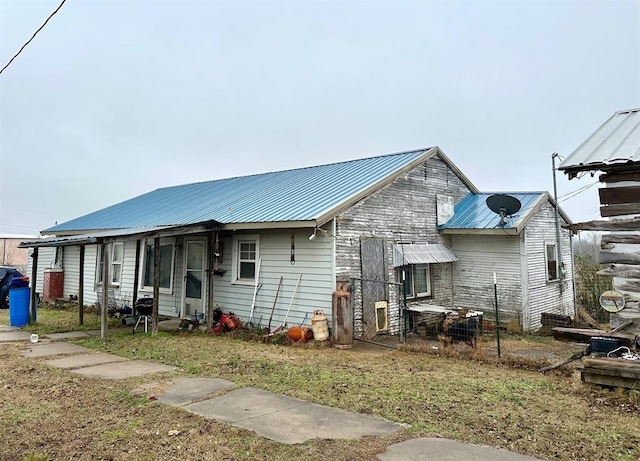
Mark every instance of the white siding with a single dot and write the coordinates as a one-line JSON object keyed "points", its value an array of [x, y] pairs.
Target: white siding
{"points": [[45, 259], [480, 256], [313, 259], [545, 296]]}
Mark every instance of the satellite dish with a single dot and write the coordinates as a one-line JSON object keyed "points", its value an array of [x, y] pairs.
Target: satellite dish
{"points": [[504, 205]]}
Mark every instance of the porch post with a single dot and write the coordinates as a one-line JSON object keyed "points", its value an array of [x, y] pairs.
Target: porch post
{"points": [[156, 285], [81, 288], [136, 276], [34, 275], [105, 290], [211, 253]]}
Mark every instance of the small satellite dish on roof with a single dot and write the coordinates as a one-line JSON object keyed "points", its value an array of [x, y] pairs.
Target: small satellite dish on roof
{"points": [[504, 205]]}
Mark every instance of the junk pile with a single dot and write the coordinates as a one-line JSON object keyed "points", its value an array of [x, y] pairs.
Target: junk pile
{"points": [[224, 322]]}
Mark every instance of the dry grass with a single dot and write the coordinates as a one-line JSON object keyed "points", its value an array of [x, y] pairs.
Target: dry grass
{"points": [[53, 414]]}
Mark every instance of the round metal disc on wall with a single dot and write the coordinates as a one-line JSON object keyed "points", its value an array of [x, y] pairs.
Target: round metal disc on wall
{"points": [[612, 301]]}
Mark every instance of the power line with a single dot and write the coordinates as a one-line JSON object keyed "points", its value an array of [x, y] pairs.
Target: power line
{"points": [[570, 195], [32, 37]]}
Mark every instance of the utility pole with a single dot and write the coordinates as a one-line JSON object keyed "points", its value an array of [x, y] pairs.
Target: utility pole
{"points": [[555, 198]]}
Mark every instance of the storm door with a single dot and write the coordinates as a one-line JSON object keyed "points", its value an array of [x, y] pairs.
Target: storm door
{"points": [[194, 264]]}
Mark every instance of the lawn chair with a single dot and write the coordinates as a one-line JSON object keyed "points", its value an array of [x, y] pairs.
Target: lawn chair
{"points": [[113, 304]]}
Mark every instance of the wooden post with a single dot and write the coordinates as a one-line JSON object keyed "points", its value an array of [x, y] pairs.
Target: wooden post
{"points": [[495, 295], [156, 285], [105, 290], [211, 252], [81, 288], [136, 277], [34, 274]]}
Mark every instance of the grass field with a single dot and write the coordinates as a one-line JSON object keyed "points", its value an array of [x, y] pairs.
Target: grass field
{"points": [[51, 414]]}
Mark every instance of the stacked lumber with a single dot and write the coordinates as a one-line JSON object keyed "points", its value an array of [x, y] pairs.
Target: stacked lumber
{"points": [[611, 371]]}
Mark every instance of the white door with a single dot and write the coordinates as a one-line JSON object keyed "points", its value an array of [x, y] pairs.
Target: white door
{"points": [[194, 264]]}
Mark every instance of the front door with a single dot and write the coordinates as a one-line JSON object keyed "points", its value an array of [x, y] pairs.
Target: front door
{"points": [[194, 264]]}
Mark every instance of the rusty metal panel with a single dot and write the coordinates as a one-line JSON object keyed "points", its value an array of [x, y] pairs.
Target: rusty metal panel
{"points": [[374, 281]]}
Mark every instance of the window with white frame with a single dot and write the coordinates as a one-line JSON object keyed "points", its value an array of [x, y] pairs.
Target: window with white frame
{"points": [[246, 251], [166, 265], [117, 260], [416, 279], [551, 259]]}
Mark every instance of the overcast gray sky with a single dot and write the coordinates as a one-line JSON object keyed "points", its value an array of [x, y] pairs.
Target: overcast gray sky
{"points": [[115, 98]]}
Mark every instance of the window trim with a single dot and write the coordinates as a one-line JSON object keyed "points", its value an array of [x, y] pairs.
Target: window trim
{"points": [[167, 241], [235, 262], [547, 261], [412, 294], [112, 282], [114, 263]]}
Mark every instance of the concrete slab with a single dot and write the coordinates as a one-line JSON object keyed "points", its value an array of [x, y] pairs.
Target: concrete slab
{"points": [[68, 335], [4, 328], [122, 370], [48, 349], [288, 420], [14, 335], [188, 390], [79, 361], [446, 450]]}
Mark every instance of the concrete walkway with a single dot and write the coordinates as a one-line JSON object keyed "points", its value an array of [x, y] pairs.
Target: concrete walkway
{"points": [[273, 416]]}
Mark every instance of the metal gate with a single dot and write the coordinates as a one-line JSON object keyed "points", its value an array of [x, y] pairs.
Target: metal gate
{"points": [[374, 275]]}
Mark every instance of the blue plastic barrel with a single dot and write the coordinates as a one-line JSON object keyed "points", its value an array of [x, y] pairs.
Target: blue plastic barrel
{"points": [[19, 306]]}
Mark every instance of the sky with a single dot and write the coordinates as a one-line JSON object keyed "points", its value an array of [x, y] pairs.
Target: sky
{"points": [[115, 98]]}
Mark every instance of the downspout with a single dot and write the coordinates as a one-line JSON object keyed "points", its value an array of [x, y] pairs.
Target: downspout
{"points": [[555, 198]]}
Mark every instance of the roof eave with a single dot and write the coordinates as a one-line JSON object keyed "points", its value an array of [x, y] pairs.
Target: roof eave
{"points": [[511, 231]]}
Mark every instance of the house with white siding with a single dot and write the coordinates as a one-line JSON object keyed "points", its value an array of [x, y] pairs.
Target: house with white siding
{"points": [[533, 269], [279, 244]]}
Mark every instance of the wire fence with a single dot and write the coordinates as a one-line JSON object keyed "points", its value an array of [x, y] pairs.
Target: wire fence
{"points": [[589, 285]]}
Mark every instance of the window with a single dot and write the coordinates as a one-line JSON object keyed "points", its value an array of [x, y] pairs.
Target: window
{"points": [[117, 259], [552, 262], [417, 279], [166, 266], [245, 258]]}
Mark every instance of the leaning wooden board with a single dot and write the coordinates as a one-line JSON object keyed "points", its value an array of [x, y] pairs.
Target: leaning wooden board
{"points": [[610, 371]]}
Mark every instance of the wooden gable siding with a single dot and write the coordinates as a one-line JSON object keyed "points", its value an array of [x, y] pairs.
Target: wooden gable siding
{"points": [[480, 256], [545, 296], [313, 259], [404, 210]]}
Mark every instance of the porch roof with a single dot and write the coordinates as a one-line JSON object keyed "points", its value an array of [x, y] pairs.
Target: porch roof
{"points": [[107, 235]]}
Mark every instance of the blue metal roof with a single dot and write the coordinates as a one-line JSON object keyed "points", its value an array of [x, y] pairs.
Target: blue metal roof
{"points": [[472, 212], [302, 194]]}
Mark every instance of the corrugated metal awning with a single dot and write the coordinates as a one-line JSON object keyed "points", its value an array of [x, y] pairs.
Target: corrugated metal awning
{"points": [[111, 234], [421, 253]]}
